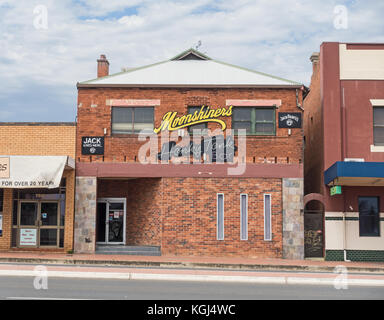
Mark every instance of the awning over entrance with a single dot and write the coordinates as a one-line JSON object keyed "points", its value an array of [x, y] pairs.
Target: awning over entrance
{"points": [[23, 172], [343, 173]]}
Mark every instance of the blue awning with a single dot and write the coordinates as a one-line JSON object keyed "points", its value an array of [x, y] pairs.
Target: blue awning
{"points": [[355, 174]]}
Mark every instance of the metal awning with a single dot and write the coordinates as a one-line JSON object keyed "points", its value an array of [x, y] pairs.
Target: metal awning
{"points": [[22, 172], [343, 173]]}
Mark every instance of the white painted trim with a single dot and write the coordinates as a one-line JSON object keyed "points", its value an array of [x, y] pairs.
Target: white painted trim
{"points": [[377, 102], [270, 215], [246, 216], [133, 102], [217, 217], [253, 103], [377, 148]]}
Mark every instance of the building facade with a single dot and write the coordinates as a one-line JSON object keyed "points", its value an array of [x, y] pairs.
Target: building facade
{"points": [[37, 186], [344, 153], [136, 189]]}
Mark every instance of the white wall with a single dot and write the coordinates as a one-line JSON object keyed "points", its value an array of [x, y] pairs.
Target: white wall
{"points": [[361, 64], [334, 236]]}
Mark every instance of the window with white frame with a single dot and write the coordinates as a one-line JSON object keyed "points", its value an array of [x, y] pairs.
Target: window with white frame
{"points": [[220, 216], [267, 218], [243, 216], [378, 126]]}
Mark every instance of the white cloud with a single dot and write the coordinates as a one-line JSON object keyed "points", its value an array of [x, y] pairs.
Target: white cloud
{"points": [[272, 36]]}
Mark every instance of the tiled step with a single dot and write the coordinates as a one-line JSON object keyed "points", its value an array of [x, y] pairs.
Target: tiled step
{"points": [[129, 250]]}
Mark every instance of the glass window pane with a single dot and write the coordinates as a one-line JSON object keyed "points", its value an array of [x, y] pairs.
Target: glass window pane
{"points": [[265, 128], [122, 120], [48, 237], [369, 219], [267, 217], [28, 213], [143, 115], [14, 237], [244, 217], [242, 114], [14, 214], [264, 115], [220, 216], [62, 211], [61, 240], [49, 213], [143, 119], [378, 116], [378, 136], [242, 125]]}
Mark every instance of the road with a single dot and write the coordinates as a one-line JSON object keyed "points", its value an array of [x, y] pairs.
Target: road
{"points": [[16, 287]]}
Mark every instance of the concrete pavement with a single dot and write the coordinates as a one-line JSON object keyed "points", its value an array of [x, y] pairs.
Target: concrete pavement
{"points": [[189, 262]]}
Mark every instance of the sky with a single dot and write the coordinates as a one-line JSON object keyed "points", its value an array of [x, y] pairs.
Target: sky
{"points": [[47, 46]]}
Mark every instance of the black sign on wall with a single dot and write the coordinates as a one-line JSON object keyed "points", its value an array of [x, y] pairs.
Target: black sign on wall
{"points": [[92, 145], [289, 120]]}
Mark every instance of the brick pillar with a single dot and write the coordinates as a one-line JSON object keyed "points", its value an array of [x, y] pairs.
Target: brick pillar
{"points": [[5, 239], [85, 215], [293, 218]]}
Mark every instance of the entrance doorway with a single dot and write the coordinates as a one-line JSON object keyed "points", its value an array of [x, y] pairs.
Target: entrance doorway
{"points": [[110, 221], [313, 234], [39, 224]]}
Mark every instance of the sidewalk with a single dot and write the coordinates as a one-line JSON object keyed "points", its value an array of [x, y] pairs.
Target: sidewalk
{"points": [[190, 262]]}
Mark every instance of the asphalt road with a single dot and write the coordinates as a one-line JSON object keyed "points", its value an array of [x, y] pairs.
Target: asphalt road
{"points": [[15, 288]]}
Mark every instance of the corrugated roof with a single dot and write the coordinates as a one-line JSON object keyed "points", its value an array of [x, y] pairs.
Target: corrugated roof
{"points": [[190, 68]]}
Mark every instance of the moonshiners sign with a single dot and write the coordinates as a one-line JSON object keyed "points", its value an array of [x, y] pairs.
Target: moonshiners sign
{"points": [[173, 122], [33, 171]]}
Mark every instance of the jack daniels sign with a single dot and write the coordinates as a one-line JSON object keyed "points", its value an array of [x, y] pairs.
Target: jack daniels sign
{"points": [[217, 148], [289, 120], [92, 145]]}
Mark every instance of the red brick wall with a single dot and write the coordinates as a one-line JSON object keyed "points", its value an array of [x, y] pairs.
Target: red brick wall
{"points": [[179, 214], [190, 213], [314, 140], [94, 115]]}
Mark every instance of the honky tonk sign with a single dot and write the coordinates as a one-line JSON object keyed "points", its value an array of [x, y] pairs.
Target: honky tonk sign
{"points": [[171, 121]]}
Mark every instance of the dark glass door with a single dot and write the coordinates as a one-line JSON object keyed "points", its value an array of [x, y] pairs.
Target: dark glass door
{"points": [[115, 222], [49, 225], [101, 220]]}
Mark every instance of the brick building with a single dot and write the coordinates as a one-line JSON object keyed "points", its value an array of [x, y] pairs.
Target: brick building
{"points": [[247, 205], [37, 186], [344, 154]]}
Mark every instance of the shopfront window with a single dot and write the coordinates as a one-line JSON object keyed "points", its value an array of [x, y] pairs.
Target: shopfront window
{"points": [[369, 216], [39, 217], [378, 126], [256, 121], [132, 120]]}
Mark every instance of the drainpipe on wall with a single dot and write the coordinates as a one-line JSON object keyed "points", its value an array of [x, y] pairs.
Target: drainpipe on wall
{"points": [[345, 238], [297, 100]]}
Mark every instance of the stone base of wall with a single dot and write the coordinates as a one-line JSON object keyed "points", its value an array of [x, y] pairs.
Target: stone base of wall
{"points": [[293, 218], [85, 215]]}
